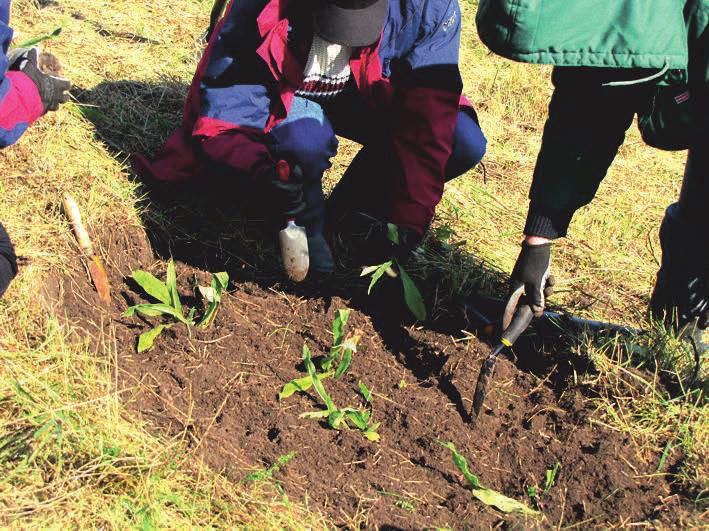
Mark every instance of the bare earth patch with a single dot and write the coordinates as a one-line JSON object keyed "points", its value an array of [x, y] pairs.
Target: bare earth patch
{"points": [[218, 388]]}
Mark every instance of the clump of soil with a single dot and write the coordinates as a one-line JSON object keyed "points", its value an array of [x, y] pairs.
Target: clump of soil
{"points": [[220, 386]]}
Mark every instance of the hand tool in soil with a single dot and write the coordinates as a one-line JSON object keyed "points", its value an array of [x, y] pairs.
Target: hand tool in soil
{"points": [[293, 239], [516, 319], [94, 262]]}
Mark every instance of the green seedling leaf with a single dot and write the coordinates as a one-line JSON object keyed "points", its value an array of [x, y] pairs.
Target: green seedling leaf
{"points": [[213, 295], [412, 295], [300, 385], [154, 310], [371, 435], [208, 293], [550, 477], [261, 475], [485, 495], [152, 286], [338, 334], [221, 280], [146, 339], [171, 281], [359, 418], [348, 347], [462, 464], [405, 505], [393, 233], [378, 272], [502, 502], [317, 384], [335, 419], [365, 392], [368, 270], [371, 432], [34, 41], [315, 414], [532, 492]]}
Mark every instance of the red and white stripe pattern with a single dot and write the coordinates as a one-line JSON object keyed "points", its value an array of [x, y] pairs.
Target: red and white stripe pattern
{"points": [[327, 70]]}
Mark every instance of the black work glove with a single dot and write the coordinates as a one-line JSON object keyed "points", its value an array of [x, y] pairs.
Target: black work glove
{"points": [[283, 188], [53, 90], [532, 272]]}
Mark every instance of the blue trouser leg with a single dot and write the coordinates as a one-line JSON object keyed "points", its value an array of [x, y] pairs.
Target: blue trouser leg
{"points": [[306, 138]]}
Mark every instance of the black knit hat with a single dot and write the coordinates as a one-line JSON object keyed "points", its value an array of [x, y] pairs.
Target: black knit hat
{"points": [[351, 22]]}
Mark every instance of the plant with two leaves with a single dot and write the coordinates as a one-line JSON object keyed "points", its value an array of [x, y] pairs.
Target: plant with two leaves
{"points": [[412, 295], [339, 357], [169, 304], [337, 418], [485, 495]]}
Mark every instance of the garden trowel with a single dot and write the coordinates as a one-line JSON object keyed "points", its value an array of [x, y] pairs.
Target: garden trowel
{"points": [[94, 262], [294, 251]]}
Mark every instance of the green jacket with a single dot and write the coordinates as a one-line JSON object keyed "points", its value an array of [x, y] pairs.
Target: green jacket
{"points": [[653, 34]]}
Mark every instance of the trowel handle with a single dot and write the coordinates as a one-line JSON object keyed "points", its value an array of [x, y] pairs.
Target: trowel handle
{"points": [[520, 322]]}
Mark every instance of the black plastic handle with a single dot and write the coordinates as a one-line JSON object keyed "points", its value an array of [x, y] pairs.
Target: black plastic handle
{"points": [[520, 322]]}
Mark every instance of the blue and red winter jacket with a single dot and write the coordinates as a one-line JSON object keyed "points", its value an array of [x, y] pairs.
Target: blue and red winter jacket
{"points": [[20, 102], [254, 62], [20, 105]]}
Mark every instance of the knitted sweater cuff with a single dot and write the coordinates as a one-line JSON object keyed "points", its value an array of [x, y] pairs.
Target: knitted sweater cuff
{"points": [[546, 222]]}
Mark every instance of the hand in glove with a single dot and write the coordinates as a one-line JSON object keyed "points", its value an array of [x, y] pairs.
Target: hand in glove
{"points": [[532, 273], [52, 89], [283, 188]]}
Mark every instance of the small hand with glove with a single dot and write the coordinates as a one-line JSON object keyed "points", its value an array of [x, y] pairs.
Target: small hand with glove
{"points": [[532, 274], [53, 90]]}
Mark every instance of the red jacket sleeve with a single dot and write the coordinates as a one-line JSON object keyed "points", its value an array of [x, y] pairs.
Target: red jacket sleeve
{"points": [[20, 103]]}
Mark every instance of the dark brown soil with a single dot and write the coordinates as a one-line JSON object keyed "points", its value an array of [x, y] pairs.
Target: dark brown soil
{"points": [[219, 386]]}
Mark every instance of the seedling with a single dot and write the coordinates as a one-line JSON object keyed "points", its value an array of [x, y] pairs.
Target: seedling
{"points": [[402, 502], [485, 495], [340, 356], [412, 295], [264, 474], [550, 477], [342, 346], [170, 305], [337, 418], [213, 295]]}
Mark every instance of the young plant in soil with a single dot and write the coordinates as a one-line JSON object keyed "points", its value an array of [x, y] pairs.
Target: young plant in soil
{"points": [[340, 356], [170, 306], [267, 473], [485, 495], [337, 418], [412, 295], [336, 363]]}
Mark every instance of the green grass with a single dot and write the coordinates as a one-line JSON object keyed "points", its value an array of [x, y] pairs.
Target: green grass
{"points": [[70, 453]]}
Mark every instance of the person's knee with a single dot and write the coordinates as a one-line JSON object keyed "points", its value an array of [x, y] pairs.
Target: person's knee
{"points": [[469, 146]]}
